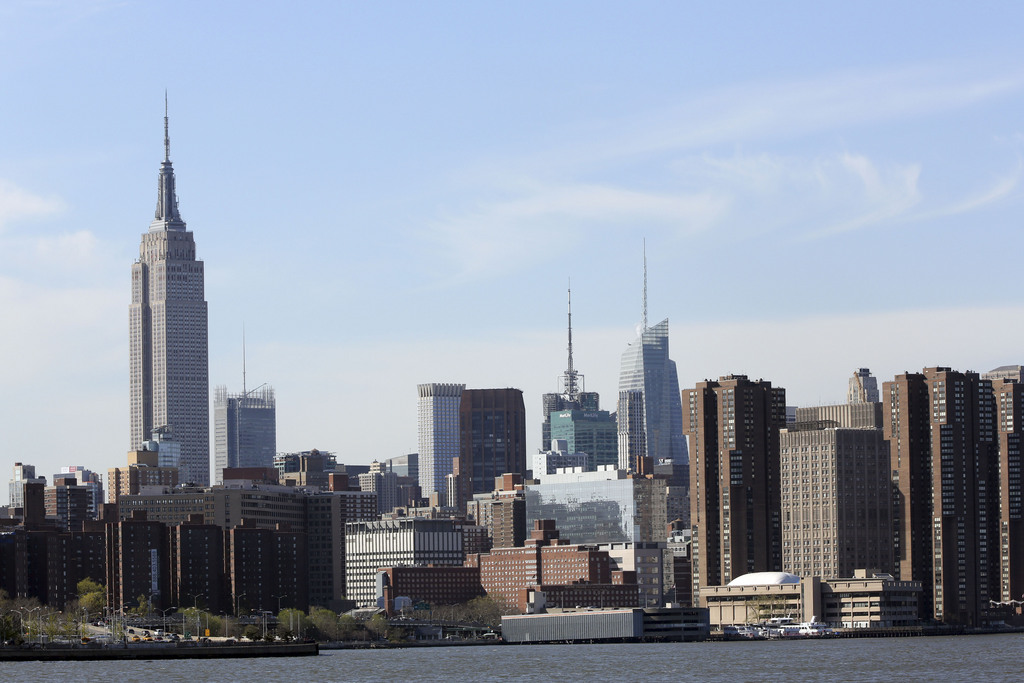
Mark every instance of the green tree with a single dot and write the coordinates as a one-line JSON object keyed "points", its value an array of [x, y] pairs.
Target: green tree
{"points": [[253, 633], [325, 623], [10, 626], [92, 596], [142, 608], [293, 621], [377, 625], [349, 628]]}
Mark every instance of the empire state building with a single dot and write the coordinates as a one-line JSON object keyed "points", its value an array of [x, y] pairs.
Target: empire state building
{"points": [[169, 369]]}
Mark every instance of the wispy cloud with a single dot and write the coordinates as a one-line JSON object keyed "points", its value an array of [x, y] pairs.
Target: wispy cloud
{"points": [[883, 196], [18, 204], [1003, 187], [498, 234], [786, 110], [668, 171]]}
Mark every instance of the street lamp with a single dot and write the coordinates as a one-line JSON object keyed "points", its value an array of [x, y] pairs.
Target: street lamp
{"points": [[238, 602], [39, 623], [165, 612], [279, 611]]}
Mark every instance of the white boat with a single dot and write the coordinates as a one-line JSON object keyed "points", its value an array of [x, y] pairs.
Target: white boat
{"points": [[785, 627]]}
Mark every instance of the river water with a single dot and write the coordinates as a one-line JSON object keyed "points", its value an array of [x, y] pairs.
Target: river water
{"points": [[956, 658]]}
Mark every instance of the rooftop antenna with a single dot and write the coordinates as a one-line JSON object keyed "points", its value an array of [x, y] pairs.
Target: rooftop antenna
{"points": [[243, 359], [167, 136], [571, 388], [643, 317]]}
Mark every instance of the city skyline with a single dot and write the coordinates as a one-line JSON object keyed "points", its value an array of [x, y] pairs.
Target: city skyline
{"points": [[417, 196]]}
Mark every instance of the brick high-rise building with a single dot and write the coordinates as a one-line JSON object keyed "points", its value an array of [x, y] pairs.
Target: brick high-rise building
{"points": [[197, 565], [137, 563], [69, 503], [733, 424], [836, 497], [266, 568], [1009, 397], [143, 471], [942, 432]]}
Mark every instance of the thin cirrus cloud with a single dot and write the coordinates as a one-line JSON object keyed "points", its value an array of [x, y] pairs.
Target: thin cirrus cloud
{"points": [[1002, 188], [764, 111], [880, 195], [815, 196], [502, 233]]}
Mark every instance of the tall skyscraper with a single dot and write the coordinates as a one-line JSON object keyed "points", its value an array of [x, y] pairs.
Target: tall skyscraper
{"points": [[438, 423], [244, 429], [570, 396], [734, 424], [647, 368], [492, 424], [943, 443], [168, 367]]}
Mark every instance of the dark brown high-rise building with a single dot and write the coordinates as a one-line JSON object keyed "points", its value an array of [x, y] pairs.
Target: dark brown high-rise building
{"points": [[197, 565], [137, 563], [733, 425], [266, 569], [68, 503], [1009, 396], [492, 441], [941, 429]]}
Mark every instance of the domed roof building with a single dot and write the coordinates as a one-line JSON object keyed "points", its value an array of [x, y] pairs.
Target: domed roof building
{"points": [[765, 579]]}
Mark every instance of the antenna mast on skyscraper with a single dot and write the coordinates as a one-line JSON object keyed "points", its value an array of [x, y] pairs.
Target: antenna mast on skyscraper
{"points": [[571, 388], [167, 135], [243, 359], [643, 316]]}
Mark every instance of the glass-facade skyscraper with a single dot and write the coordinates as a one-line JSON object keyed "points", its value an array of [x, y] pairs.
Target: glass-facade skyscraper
{"points": [[649, 386], [600, 507], [587, 431], [244, 429], [168, 340]]}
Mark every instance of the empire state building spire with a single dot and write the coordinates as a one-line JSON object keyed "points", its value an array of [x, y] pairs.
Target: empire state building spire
{"points": [[167, 216], [169, 336]]}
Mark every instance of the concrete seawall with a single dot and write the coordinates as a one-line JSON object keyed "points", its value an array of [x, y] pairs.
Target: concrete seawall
{"points": [[171, 651]]}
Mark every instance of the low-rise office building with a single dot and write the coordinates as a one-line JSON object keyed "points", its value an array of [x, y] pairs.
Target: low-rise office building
{"points": [[877, 601]]}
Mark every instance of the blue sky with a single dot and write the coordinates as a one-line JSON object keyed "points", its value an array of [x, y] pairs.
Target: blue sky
{"points": [[393, 193]]}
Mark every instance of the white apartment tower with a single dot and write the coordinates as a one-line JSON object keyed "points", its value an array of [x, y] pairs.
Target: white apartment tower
{"points": [[438, 408], [169, 371]]}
